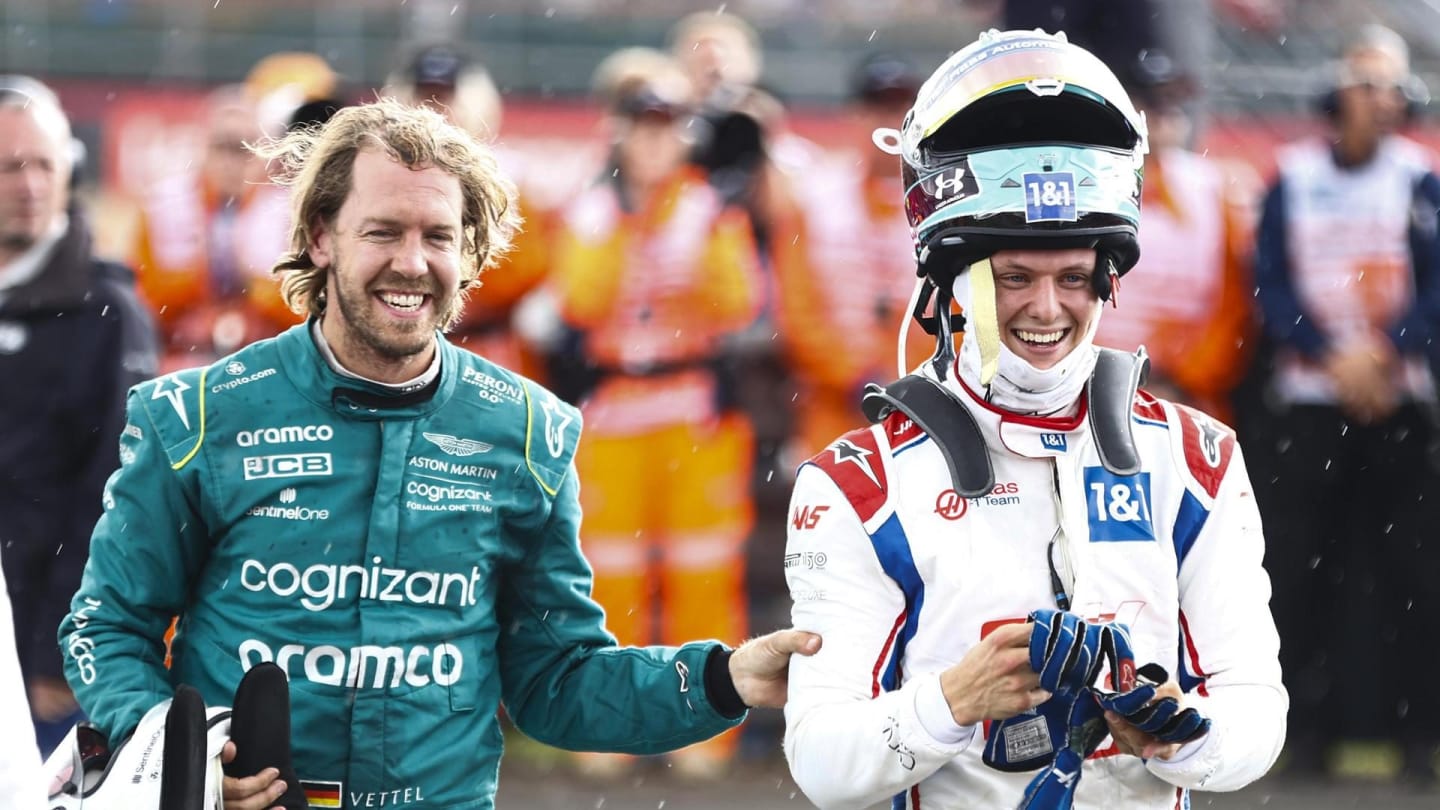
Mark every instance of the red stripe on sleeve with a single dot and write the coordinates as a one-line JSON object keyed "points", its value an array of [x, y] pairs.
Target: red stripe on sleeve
{"points": [[885, 653], [1194, 656]]}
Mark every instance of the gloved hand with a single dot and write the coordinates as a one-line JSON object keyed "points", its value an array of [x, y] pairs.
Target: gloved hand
{"points": [[1162, 719], [1065, 650], [1054, 787], [1030, 739]]}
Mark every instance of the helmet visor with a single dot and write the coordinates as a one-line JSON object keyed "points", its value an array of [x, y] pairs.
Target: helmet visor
{"points": [[1025, 188]]}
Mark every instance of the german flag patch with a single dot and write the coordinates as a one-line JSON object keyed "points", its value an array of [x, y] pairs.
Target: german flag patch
{"points": [[322, 794]]}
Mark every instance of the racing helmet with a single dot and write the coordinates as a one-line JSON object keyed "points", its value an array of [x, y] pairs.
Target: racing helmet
{"points": [[1022, 140]]}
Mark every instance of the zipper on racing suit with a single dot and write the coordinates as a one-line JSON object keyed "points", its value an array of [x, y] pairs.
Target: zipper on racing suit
{"points": [[1062, 575]]}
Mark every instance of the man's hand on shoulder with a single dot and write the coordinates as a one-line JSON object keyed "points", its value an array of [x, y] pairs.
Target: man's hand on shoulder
{"points": [[760, 668]]}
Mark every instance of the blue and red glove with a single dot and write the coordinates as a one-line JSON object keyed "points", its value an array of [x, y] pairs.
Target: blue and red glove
{"points": [[1162, 719], [1065, 650]]}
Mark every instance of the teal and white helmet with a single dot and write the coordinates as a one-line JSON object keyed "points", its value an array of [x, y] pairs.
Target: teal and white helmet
{"points": [[1022, 140]]}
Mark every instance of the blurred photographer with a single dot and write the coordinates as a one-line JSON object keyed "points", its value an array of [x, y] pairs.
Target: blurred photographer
{"points": [[739, 140]]}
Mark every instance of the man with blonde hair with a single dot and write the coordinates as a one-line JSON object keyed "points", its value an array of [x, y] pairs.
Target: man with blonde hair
{"points": [[390, 519]]}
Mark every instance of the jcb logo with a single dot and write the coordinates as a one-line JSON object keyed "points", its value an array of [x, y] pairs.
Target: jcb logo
{"points": [[806, 517], [294, 465]]}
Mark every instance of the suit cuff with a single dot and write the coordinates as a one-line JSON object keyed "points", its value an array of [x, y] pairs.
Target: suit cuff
{"points": [[933, 712]]}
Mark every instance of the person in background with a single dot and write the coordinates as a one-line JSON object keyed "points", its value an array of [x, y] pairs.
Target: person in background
{"points": [[1348, 270], [205, 239], [390, 519], [652, 270], [1039, 587], [847, 268], [1197, 235], [446, 77], [73, 339]]}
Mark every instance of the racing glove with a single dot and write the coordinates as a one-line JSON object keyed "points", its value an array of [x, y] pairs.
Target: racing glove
{"points": [[1065, 650], [1162, 719], [1053, 788], [1030, 739]]}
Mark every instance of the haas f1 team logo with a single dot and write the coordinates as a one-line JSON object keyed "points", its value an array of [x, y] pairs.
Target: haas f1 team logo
{"points": [[950, 505]]}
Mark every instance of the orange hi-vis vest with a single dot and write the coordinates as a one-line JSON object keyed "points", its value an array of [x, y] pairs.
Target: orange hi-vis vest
{"points": [[181, 223], [654, 291], [1188, 301], [845, 272]]}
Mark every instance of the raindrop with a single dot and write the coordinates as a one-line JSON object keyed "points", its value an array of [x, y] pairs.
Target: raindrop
{"points": [[454, 9], [1389, 527], [769, 476], [1402, 709], [1314, 562], [661, 805], [1281, 40], [549, 13], [871, 39], [217, 4]]}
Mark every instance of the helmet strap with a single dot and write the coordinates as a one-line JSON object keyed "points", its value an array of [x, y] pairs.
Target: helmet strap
{"points": [[986, 321]]}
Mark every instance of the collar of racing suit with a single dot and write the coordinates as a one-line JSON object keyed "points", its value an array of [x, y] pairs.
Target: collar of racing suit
{"points": [[1028, 436], [360, 399]]}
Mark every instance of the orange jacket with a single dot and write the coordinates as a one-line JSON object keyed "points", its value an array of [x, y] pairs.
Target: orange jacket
{"points": [[845, 271], [172, 259], [1188, 301], [654, 291]]}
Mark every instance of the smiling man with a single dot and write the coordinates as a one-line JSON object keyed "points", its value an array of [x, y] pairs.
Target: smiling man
{"points": [[1039, 587], [390, 519]]}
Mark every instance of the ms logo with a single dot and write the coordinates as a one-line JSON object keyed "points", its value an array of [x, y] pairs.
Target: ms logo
{"points": [[1118, 506]]}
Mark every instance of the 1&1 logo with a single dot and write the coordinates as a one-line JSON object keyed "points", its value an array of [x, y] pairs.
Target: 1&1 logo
{"points": [[1118, 506]]}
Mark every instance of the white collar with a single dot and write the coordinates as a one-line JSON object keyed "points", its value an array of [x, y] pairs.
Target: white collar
{"points": [[426, 377], [27, 266]]}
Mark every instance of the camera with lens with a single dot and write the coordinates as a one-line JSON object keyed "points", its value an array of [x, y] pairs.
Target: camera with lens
{"points": [[730, 140]]}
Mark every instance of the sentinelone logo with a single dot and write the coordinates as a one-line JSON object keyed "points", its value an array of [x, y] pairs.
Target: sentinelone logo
{"points": [[288, 512], [239, 381]]}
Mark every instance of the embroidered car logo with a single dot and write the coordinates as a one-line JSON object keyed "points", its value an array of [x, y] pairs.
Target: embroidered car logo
{"points": [[456, 446]]}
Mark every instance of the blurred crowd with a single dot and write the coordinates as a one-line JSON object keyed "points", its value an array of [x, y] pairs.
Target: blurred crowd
{"points": [[1300, 307]]}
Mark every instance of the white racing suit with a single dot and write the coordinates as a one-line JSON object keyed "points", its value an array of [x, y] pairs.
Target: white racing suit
{"points": [[902, 577]]}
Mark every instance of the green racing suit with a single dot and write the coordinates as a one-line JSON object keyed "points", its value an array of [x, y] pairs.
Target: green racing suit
{"points": [[410, 560]]}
